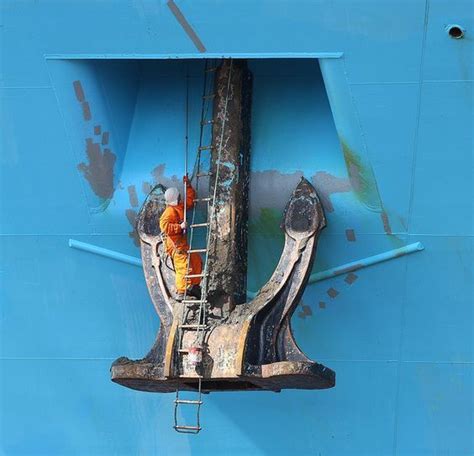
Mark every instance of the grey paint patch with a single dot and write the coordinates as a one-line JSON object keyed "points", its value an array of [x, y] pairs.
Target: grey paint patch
{"points": [[271, 189], [159, 177], [350, 235], [99, 171], [86, 111], [79, 91], [132, 219], [186, 26], [351, 278], [105, 138], [326, 184], [146, 187], [132, 195], [97, 130]]}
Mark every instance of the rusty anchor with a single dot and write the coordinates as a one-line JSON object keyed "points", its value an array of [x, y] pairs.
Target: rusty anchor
{"points": [[246, 345], [253, 347]]}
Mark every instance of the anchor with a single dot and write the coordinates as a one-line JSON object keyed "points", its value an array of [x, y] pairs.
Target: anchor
{"points": [[225, 342]]}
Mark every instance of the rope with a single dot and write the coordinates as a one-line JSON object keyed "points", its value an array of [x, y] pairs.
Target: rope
{"points": [[186, 144]]}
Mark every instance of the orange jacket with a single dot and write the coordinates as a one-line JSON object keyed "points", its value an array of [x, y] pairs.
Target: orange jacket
{"points": [[171, 220]]}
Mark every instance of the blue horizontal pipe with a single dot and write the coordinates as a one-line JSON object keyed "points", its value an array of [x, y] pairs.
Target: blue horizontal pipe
{"points": [[363, 263], [359, 264], [105, 252], [313, 278]]}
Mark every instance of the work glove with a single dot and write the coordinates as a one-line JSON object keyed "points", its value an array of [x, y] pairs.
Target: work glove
{"points": [[186, 179], [183, 226]]}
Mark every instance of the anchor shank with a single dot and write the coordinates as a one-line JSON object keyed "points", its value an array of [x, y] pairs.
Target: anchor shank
{"points": [[227, 263]]}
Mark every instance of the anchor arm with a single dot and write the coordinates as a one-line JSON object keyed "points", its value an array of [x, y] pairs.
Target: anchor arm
{"points": [[273, 305]]}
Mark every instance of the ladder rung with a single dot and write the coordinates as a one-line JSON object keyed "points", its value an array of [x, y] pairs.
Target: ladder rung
{"points": [[199, 225], [207, 122], [188, 428], [203, 174], [194, 276], [206, 147], [209, 97], [187, 401], [197, 251], [194, 301], [193, 326], [202, 200], [183, 350]]}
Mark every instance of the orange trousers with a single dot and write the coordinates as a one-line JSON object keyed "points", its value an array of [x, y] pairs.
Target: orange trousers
{"points": [[180, 262]]}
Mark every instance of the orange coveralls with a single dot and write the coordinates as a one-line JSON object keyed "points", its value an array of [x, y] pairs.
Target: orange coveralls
{"points": [[177, 244]]}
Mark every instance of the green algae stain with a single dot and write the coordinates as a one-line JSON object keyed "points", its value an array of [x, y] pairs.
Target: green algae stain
{"points": [[362, 179], [267, 223], [265, 244]]}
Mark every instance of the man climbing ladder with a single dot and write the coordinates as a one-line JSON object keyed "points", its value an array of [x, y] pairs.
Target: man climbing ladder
{"points": [[173, 225]]}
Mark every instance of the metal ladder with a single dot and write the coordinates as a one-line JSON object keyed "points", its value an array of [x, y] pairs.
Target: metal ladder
{"points": [[194, 309]]}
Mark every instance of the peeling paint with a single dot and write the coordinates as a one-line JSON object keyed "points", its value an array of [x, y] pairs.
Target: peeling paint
{"points": [[132, 195], [350, 235], [306, 312], [97, 130], [159, 177], [105, 138], [99, 171], [146, 187], [79, 91], [351, 278], [86, 111], [322, 305], [332, 292]]}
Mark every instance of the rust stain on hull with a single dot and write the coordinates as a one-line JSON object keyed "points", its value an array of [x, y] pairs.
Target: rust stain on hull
{"points": [[79, 91], [350, 235], [99, 171], [386, 222], [351, 278], [306, 312], [105, 138], [132, 195], [86, 111], [332, 292]]}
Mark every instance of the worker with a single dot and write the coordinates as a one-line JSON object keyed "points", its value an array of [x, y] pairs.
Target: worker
{"points": [[173, 226]]}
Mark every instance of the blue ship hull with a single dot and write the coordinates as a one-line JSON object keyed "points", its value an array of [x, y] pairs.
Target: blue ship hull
{"points": [[370, 101]]}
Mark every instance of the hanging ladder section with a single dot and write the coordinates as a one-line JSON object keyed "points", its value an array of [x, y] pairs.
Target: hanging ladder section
{"points": [[195, 312]]}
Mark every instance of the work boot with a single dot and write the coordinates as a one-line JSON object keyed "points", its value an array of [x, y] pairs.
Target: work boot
{"points": [[194, 291], [179, 296]]}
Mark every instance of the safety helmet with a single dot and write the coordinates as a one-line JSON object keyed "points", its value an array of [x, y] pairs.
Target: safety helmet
{"points": [[172, 196]]}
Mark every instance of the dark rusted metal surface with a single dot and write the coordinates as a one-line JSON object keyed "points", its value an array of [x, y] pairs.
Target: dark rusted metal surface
{"points": [[227, 282]]}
